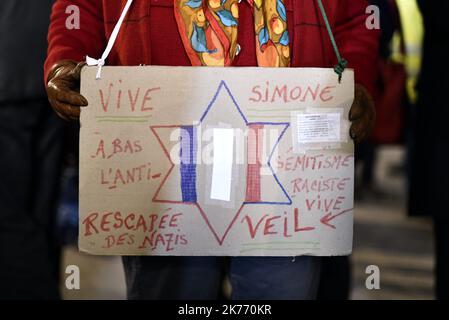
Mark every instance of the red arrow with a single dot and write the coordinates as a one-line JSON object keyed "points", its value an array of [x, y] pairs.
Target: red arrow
{"points": [[329, 217]]}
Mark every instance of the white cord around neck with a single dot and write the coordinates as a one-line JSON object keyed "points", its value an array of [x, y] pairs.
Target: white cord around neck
{"points": [[101, 62]]}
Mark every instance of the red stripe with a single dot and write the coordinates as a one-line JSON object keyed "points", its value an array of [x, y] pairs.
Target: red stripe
{"points": [[254, 165]]}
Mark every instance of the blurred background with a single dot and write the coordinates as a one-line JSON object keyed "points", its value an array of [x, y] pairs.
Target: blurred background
{"points": [[385, 235]]}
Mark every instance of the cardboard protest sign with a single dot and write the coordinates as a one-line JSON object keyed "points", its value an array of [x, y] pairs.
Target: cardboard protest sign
{"points": [[216, 161]]}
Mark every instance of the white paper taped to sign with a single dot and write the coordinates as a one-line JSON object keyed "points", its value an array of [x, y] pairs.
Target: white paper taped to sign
{"points": [[222, 164], [161, 175], [318, 127]]}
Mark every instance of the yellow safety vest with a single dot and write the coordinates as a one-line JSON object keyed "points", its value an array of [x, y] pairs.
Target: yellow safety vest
{"points": [[413, 32]]}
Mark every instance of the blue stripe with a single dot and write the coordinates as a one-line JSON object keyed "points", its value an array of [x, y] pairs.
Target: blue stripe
{"points": [[188, 164]]}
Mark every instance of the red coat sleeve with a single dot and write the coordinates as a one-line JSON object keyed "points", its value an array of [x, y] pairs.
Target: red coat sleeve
{"points": [[357, 44], [75, 44]]}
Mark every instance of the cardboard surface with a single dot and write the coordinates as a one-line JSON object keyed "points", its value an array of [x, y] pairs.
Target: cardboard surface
{"points": [[280, 183]]}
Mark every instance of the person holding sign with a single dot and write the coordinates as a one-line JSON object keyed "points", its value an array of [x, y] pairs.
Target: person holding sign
{"points": [[227, 33]]}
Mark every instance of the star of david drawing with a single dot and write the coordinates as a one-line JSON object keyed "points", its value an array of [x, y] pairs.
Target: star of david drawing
{"points": [[182, 179]]}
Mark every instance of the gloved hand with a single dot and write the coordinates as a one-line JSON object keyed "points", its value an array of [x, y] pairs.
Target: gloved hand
{"points": [[63, 86], [362, 114]]}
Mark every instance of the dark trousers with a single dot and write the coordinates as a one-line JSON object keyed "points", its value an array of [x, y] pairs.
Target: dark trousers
{"points": [[31, 139], [335, 280], [187, 278], [441, 232]]}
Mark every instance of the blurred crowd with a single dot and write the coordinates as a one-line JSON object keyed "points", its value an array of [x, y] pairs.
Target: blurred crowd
{"points": [[39, 151]]}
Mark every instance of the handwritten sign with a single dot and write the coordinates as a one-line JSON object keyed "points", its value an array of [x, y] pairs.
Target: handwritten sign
{"points": [[216, 161]]}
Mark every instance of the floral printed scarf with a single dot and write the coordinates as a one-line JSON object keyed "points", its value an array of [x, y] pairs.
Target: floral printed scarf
{"points": [[209, 31]]}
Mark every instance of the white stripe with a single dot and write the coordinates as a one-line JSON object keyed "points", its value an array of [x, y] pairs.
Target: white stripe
{"points": [[222, 166]]}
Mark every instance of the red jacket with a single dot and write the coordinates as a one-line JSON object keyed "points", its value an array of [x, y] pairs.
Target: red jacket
{"points": [[150, 35]]}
